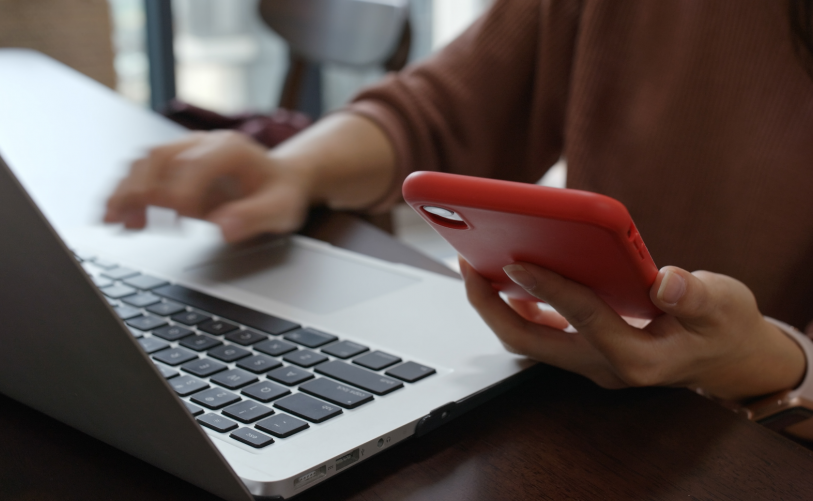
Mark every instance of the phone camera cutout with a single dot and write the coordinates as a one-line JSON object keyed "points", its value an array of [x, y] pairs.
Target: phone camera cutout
{"points": [[444, 217]]}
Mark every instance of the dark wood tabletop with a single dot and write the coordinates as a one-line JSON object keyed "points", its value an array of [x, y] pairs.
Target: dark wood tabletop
{"points": [[556, 436]]}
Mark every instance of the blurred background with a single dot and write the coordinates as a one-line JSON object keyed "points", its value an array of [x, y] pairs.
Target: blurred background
{"points": [[224, 56]]}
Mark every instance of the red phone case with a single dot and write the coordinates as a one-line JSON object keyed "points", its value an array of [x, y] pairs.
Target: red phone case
{"points": [[587, 237]]}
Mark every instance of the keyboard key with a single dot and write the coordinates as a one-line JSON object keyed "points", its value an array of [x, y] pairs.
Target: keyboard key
{"points": [[101, 281], [118, 273], [111, 302], [345, 349], [247, 411], [167, 372], [282, 425], [151, 344], [376, 360], [289, 375], [311, 338], [356, 376], [187, 385], [265, 391], [336, 393], [203, 367], [118, 291], [228, 353], [145, 282], [274, 347], [215, 398], [227, 310], [410, 372], [190, 318], [135, 332], [104, 264], [234, 379], [217, 422], [200, 342], [175, 356], [217, 327], [308, 408], [246, 337], [141, 299], [146, 323], [166, 308], [83, 256], [172, 332], [127, 312], [194, 409], [304, 358], [259, 364], [252, 437]]}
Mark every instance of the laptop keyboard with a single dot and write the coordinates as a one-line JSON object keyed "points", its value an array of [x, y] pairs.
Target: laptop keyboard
{"points": [[242, 372]]}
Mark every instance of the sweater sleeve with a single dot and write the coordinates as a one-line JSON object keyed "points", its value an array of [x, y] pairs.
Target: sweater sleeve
{"points": [[490, 104]]}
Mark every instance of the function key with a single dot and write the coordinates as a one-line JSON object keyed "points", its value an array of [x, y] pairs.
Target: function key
{"points": [[361, 378], [215, 398], [304, 358], [194, 409], [217, 327], [252, 437], [203, 367], [141, 300], [345, 349], [172, 332], [117, 291], [127, 312], [289, 375], [228, 353], [246, 337], [308, 408], [118, 273], [410, 372], [104, 264], [101, 281], [259, 363], [311, 338], [247, 411], [175, 356], [274, 347], [190, 318], [167, 372], [265, 391], [146, 323], [234, 379], [145, 282], [336, 393], [200, 342], [217, 422], [151, 344], [376, 360], [187, 385], [166, 308], [282, 425]]}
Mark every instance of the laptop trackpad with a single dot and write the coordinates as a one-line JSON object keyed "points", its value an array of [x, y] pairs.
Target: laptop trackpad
{"points": [[305, 278]]}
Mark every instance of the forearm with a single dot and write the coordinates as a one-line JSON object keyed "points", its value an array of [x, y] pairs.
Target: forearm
{"points": [[348, 162]]}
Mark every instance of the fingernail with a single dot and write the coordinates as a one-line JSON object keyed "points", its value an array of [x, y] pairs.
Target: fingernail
{"points": [[520, 276], [672, 288]]}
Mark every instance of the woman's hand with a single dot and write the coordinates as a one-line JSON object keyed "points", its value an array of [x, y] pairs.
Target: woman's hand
{"points": [[343, 161], [712, 335]]}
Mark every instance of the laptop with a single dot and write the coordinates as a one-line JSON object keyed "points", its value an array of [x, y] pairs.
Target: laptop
{"points": [[255, 370]]}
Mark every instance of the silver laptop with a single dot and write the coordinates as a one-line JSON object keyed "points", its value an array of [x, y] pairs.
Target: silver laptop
{"points": [[247, 370]]}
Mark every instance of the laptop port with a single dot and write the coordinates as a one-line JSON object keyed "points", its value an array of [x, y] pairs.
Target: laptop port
{"points": [[347, 459]]}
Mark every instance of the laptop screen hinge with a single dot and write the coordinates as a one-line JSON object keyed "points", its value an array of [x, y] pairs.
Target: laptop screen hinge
{"points": [[435, 418]]}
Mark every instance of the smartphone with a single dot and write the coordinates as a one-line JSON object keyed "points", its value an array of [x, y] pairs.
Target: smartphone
{"points": [[586, 237]]}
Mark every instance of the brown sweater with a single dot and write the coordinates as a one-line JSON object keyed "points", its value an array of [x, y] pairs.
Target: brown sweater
{"points": [[696, 114]]}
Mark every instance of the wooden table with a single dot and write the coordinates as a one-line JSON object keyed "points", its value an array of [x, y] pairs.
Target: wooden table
{"points": [[557, 436]]}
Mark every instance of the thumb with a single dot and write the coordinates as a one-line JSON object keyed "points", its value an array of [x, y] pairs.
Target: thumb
{"points": [[685, 295], [266, 211]]}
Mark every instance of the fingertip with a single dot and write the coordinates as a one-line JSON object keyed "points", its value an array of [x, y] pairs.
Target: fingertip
{"points": [[672, 288]]}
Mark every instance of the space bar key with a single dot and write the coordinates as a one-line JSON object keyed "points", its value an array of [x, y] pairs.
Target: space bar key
{"points": [[356, 376]]}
